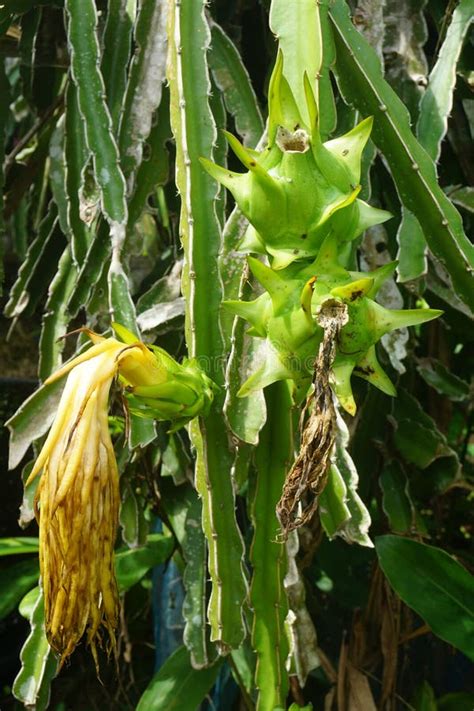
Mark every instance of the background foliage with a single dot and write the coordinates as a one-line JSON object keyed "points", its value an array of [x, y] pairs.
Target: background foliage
{"points": [[90, 229]]}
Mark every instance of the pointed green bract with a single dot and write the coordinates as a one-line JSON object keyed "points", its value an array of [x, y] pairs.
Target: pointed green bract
{"points": [[300, 197]]}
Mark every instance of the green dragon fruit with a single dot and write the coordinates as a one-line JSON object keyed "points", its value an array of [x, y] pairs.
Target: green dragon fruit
{"points": [[300, 197], [286, 315]]}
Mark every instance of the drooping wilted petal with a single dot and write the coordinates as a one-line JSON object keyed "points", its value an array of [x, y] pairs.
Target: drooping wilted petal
{"points": [[77, 504]]}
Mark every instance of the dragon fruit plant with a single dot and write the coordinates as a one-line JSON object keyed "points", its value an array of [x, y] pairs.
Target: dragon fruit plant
{"points": [[300, 197]]}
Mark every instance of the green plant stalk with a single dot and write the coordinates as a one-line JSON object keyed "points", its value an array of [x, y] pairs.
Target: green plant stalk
{"points": [[144, 88], [435, 107], [85, 55], [117, 45], [298, 31], [232, 79], [84, 48], [360, 79], [154, 170], [4, 115], [19, 293], [268, 555], [57, 174], [32, 685], [188, 76], [76, 157], [56, 318]]}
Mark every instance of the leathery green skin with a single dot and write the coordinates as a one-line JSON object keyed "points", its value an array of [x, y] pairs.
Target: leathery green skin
{"points": [[300, 197], [182, 390], [298, 190], [286, 315]]}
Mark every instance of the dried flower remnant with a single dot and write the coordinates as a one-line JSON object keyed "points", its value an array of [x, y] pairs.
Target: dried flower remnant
{"points": [[77, 501]]}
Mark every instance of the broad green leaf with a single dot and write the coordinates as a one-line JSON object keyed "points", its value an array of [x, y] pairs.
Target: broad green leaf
{"points": [[434, 584], [396, 502], [420, 441], [38, 663], [360, 79], [424, 699], [464, 197], [132, 564], [231, 78], [14, 546], [141, 431], [418, 444], [457, 701], [177, 686], [132, 519], [15, 581], [442, 380]]}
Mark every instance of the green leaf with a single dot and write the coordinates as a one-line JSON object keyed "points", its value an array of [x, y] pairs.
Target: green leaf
{"points": [[231, 78], [418, 444], [15, 582], [396, 502], [14, 546], [132, 564], [142, 431], [464, 197], [39, 664], [434, 584], [442, 380], [458, 701], [424, 699], [360, 79], [177, 686]]}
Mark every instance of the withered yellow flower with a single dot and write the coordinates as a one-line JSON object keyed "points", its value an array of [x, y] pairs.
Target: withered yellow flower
{"points": [[77, 500]]}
